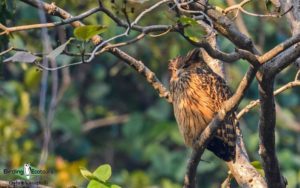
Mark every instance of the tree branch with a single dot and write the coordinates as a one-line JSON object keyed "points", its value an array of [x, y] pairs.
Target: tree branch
{"points": [[267, 118], [254, 103], [8, 30], [267, 121], [88, 126], [137, 65]]}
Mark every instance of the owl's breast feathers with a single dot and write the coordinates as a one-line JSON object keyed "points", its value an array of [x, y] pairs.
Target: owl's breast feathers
{"points": [[198, 93]]}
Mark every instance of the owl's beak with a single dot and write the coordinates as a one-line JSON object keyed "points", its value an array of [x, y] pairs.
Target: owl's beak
{"points": [[175, 75]]}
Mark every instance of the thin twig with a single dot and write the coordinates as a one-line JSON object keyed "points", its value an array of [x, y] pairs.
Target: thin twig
{"points": [[240, 6], [254, 103], [8, 30], [6, 51], [88, 126], [237, 6]]}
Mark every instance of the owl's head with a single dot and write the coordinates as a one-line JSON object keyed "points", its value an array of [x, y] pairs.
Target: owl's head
{"points": [[184, 63]]}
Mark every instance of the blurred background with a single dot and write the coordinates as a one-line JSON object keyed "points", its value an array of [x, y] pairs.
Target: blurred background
{"points": [[107, 113]]}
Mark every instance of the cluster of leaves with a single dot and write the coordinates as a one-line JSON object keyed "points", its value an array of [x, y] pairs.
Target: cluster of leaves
{"points": [[99, 178]]}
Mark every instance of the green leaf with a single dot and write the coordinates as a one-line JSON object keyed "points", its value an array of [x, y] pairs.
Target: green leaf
{"points": [[23, 57], [87, 32], [194, 33], [86, 173], [58, 50], [187, 20], [257, 165], [32, 78], [24, 104], [191, 35], [103, 172], [96, 184], [115, 186]]}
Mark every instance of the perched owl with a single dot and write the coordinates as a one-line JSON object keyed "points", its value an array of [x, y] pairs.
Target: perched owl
{"points": [[198, 94]]}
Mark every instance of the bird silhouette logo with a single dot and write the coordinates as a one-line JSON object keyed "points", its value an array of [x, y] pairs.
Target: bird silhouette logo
{"points": [[27, 170]]}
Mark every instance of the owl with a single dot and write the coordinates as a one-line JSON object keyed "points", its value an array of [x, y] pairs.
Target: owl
{"points": [[198, 94]]}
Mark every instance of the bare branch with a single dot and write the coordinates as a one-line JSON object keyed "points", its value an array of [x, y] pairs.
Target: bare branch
{"points": [[145, 29], [145, 71], [8, 30], [237, 6], [254, 103], [88, 126], [279, 48], [6, 51], [142, 14], [267, 122], [240, 7], [226, 27], [279, 63]]}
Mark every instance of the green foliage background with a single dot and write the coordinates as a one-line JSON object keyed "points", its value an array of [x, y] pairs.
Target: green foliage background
{"points": [[147, 150]]}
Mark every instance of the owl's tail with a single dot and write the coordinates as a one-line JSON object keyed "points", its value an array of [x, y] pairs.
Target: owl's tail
{"points": [[221, 149], [223, 144]]}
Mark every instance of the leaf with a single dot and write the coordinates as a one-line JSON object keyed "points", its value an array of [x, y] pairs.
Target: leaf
{"points": [[115, 186], [23, 57], [187, 20], [87, 32], [257, 165], [86, 173], [191, 35], [24, 105], [194, 33], [32, 78], [53, 54], [103, 172], [96, 184]]}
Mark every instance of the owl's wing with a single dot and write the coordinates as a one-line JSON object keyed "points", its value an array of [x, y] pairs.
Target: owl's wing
{"points": [[223, 144]]}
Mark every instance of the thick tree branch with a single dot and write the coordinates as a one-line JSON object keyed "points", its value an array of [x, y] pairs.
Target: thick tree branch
{"points": [[278, 64], [267, 118], [267, 121], [244, 173], [227, 28], [143, 70], [279, 48], [268, 114]]}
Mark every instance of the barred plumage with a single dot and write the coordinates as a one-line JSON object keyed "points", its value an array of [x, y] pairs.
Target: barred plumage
{"points": [[198, 94]]}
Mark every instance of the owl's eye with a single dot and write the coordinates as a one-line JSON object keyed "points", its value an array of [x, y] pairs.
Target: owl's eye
{"points": [[186, 65]]}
